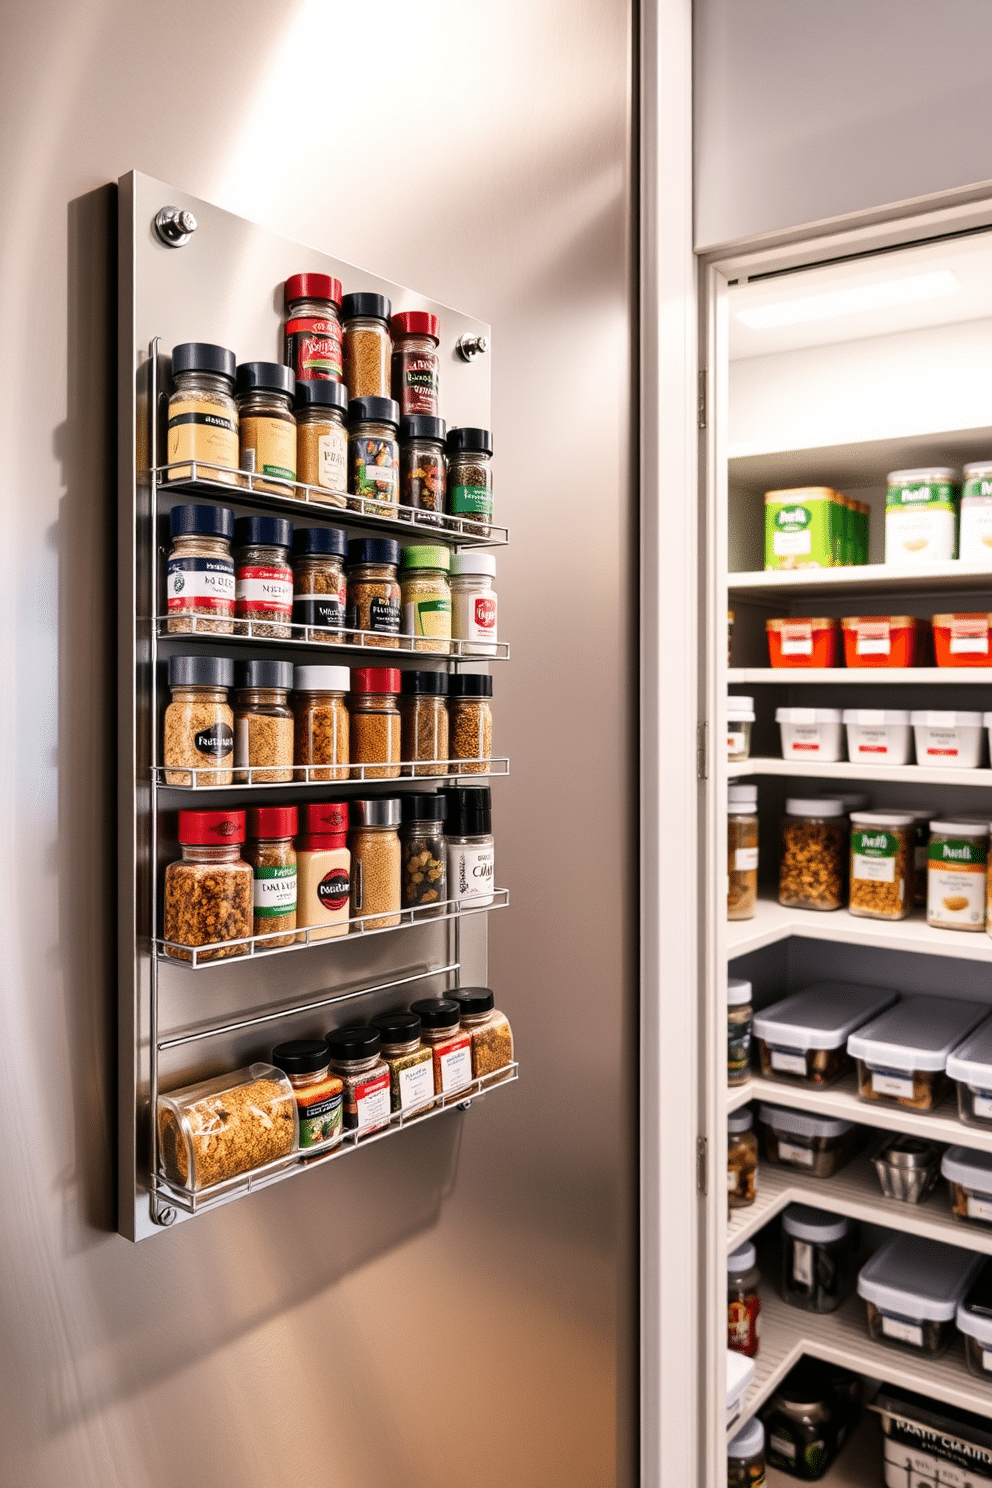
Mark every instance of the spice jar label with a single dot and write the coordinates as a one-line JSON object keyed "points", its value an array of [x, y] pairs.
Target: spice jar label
{"points": [[322, 1114], [745, 859], [874, 638], [470, 871], [268, 446], [788, 1064], [416, 1085], [197, 433], [873, 856], [427, 617], [320, 609], [453, 1064], [217, 741], [334, 890], [376, 464], [905, 1332], [332, 460], [201, 583], [384, 616], [790, 1152], [313, 349], [265, 589], [802, 1263], [484, 615], [797, 640], [956, 873], [275, 892], [471, 501], [743, 1325], [419, 390], [369, 1102], [884, 1082]]}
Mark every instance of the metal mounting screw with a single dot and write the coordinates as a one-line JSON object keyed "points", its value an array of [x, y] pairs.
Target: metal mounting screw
{"points": [[175, 226], [465, 1105], [469, 347], [165, 1216]]}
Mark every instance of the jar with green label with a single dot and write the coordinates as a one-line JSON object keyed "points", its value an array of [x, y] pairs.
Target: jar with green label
{"points": [[975, 545], [921, 515], [273, 860], [470, 478], [267, 424], [426, 597], [882, 853], [957, 864]]}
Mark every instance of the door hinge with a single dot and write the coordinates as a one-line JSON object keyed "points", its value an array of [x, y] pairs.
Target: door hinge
{"points": [[702, 749], [701, 1184], [701, 400]]}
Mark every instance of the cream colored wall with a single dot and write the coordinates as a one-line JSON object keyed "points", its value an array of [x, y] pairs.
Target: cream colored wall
{"points": [[333, 1328]]}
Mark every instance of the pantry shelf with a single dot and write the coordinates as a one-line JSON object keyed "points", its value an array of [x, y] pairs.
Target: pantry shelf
{"points": [[863, 676], [415, 772], [867, 579], [772, 922], [307, 638], [857, 463], [845, 770], [859, 1464]]}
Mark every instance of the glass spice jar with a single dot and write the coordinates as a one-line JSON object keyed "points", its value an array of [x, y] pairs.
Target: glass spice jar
{"points": [[199, 724], [367, 345], [263, 722], [373, 592], [450, 1045], [202, 420], [373, 456], [742, 1160], [882, 854], [426, 597], [273, 858], [263, 577], [200, 570], [355, 1058], [322, 440], [375, 723], [313, 327], [492, 1037], [739, 1018], [423, 470], [376, 891], [319, 1095], [470, 478], [471, 722], [416, 366], [813, 867], [471, 850], [323, 865], [473, 603], [208, 891], [411, 1063], [425, 885], [424, 723], [321, 725], [266, 424], [742, 851], [743, 1301], [320, 593]]}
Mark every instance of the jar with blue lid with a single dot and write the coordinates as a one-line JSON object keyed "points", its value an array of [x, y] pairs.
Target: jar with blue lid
{"points": [[200, 587], [320, 591], [263, 577]]}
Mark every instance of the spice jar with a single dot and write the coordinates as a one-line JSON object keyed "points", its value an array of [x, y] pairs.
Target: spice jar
{"points": [[321, 726], [208, 891], [424, 723], [200, 570], [956, 874], [203, 416], [739, 1016], [882, 851], [742, 1160], [375, 863], [425, 884], [324, 871], [473, 603], [746, 1456], [199, 730], [470, 478], [813, 868], [742, 851], [263, 577], [273, 857], [355, 1057], [423, 477], [322, 440], [743, 1301], [319, 1095], [740, 719], [220, 1128], [266, 425], [411, 1063], [375, 723], [809, 1418], [313, 327], [416, 366], [373, 592], [320, 593], [471, 720], [471, 855], [426, 597], [263, 722], [492, 1037], [450, 1045], [367, 345], [817, 1258], [373, 456]]}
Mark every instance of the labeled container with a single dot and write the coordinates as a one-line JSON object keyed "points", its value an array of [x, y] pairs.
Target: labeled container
{"points": [[273, 858], [804, 528], [882, 857], [817, 1145], [198, 730], [319, 1094], [962, 640], [373, 592], [811, 642], [470, 717], [882, 640], [267, 424], [263, 587], [908, 1169], [911, 1288], [220, 1128], [902, 1055], [375, 723], [921, 844], [425, 596], [470, 478], [365, 1076], [425, 855], [742, 1159], [312, 345], [947, 738], [878, 736], [367, 345], [424, 723], [740, 719], [921, 516], [492, 1037], [813, 866], [323, 865], [416, 367], [473, 602], [320, 592], [969, 1177], [376, 872], [817, 1258], [263, 722], [322, 440], [956, 875], [975, 544], [746, 1456], [809, 1418], [974, 1320], [208, 891], [742, 851], [450, 1044], [373, 455], [743, 1300], [739, 1377], [740, 1013], [200, 585], [411, 1063], [322, 727], [804, 1037], [202, 419], [811, 733], [970, 1066], [471, 849], [423, 469]]}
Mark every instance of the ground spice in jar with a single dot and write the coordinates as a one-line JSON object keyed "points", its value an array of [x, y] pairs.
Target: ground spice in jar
{"points": [[423, 469], [200, 570], [471, 721], [324, 871], [273, 858], [263, 577], [882, 855], [199, 724], [313, 327], [226, 1126], [470, 478], [373, 456], [319, 1094], [322, 440], [202, 416], [492, 1037], [411, 1063], [375, 863], [208, 891], [426, 597], [416, 365], [425, 878], [742, 851], [424, 723], [373, 592], [450, 1045], [355, 1057], [367, 345], [320, 593], [266, 424], [813, 866], [322, 727], [375, 723], [473, 603], [263, 722]]}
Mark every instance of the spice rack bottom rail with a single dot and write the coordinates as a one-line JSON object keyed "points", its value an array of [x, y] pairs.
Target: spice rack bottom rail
{"points": [[201, 777], [325, 640]]}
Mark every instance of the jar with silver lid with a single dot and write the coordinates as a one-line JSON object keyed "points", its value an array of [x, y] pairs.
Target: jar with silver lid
{"points": [[376, 872]]}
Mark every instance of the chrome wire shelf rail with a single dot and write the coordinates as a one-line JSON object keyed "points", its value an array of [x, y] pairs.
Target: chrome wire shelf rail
{"points": [[204, 777], [248, 488], [203, 627], [223, 952]]}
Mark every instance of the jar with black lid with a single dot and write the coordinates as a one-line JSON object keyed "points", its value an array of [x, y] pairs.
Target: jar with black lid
{"points": [[373, 456], [411, 1064], [492, 1037], [367, 345], [425, 882], [423, 470], [263, 577], [198, 721], [263, 722], [471, 853], [471, 722], [319, 1095], [322, 440], [266, 424], [355, 1058], [817, 1258], [203, 416], [424, 723], [373, 591], [313, 326], [320, 592], [416, 366], [470, 478], [451, 1046], [200, 570]]}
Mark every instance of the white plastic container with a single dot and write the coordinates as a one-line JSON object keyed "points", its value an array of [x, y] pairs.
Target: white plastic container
{"points": [[921, 516], [912, 1287], [816, 1145], [740, 1373], [811, 733], [970, 1065], [975, 543], [740, 717], [878, 736], [902, 1056], [945, 738], [970, 1177], [804, 1037]]}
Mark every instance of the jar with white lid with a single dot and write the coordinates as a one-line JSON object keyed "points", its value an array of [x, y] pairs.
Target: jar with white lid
{"points": [[943, 737], [921, 515], [739, 1016], [811, 733], [852, 800], [740, 717], [743, 1300], [882, 854], [746, 1456], [817, 1258], [742, 851], [975, 545], [813, 866], [957, 869], [473, 602], [742, 1159], [877, 736]]}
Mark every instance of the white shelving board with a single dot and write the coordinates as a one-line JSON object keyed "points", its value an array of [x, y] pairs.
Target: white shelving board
{"points": [[866, 579], [845, 770], [861, 676], [773, 922]]}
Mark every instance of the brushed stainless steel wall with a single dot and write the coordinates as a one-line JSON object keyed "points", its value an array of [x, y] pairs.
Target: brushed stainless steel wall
{"points": [[457, 1312]]}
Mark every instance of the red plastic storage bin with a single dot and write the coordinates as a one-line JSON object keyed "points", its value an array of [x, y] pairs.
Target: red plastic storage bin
{"points": [[962, 640], [882, 640], [798, 642]]}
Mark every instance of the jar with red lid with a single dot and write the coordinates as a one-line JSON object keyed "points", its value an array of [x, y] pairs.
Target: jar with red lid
{"points": [[375, 723], [208, 891], [313, 326], [802, 642], [416, 365], [273, 859], [324, 865]]}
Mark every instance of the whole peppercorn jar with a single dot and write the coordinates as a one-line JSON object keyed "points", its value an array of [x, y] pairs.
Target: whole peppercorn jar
{"points": [[376, 891], [375, 723], [813, 867], [202, 421], [471, 722], [423, 470], [266, 424], [324, 871], [492, 1037], [426, 597], [319, 1094], [322, 440], [743, 1301], [416, 365], [273, 858], [470, 478], [471, 855], [200, 570], [263, 722], [373, 591], [320, 592], [473, 603], [199, 724], [425, 885], [263, 577], [321, 724], [424, 723], [208, 891], [451, 1046], [373, 456], [411, 1063], [355, 1058], [367, 345], [313, 327]]}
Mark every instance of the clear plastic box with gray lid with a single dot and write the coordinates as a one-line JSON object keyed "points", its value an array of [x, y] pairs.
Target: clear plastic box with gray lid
{"points": [[974, 1320], [817, 1145], [804, 1037], [970, 1065], [902, 1056], [969, 1177], [912, 1287]]}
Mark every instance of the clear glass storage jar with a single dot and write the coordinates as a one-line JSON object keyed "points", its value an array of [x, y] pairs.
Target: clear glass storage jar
{"points": [[322, 440], [742, 851], [426, 597], [425, 873], [263, 577], [957, 868], [198, 730], [373, 456], [740, 718], [376, 863], [743, 1301], [375, 723], [411, 1063], [373, 592], [470, 478], [355, 1057], [813, 867], [746, 1456], [319, 1095], [208, 891], [226, 1126], [471, 850], [492, 1037], [882, 855], [817, 1258], [273, 859], [423, 469], [202, 420], [263, 722], [742, 1159], [424, 723], [416, 367], [321, 723], [200, 585], [473, 603], [450, 1045], [739, 1016], [320, 592], [267, 425], [367, 345], [312, 345], [471, 720]]}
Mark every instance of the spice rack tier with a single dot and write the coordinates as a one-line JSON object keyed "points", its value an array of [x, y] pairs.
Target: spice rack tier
{"points": [[773, 922], [845, 770], [415, 773], [303, 638]]}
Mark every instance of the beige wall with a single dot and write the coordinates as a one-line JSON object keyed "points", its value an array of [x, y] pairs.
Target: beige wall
{"points": [[337, 1326]]}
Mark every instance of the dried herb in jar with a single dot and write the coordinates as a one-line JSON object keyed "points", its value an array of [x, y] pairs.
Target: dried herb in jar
{"points": [[423, 469], [263, 722], [424, 723], [410, 1062], [208, 892], [471, 722], [375, 863], [492, 1037], [367, 345], [373, 592], [273, 857], [226, 1126]]}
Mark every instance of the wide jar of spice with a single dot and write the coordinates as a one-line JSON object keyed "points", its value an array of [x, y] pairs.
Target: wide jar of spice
{"points": [[200, 570], [199, 724], [313, 326], [322, 440], [411, 1063], [367, 345], [202, 416], [471, 851], [471, 719], [273, 858], [422, 465], [813, 867], [470, 478], [266, 425], [373, 592], [492, 1037], [263, 722], [263, 577], [375, 723], [322, 730], [425, 885], [450, 1045], [473, 603], [320, 593], [323, 865], [742, 851], [426, 597], [319, 1095], [208, 891], [375, 863], [355, 1057], [424, 723], [373, 456], [882, 854], [416, 365]]}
